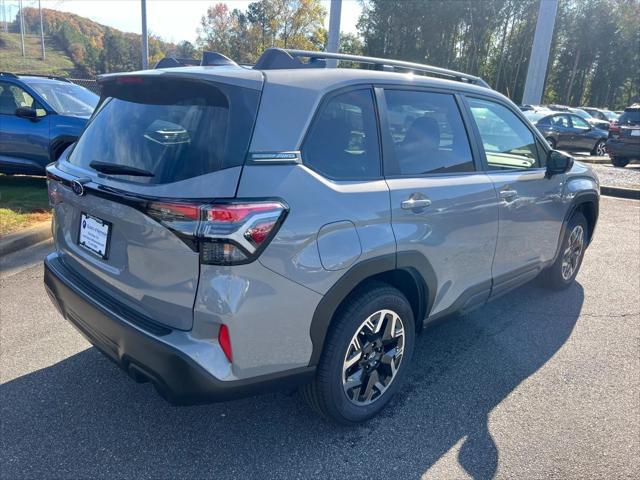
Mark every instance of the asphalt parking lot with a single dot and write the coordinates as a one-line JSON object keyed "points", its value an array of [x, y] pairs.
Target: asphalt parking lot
{"points": [[533, 385]]}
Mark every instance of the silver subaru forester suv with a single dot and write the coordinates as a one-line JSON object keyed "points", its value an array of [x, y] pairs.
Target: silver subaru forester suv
{"points": [[224, 230]]}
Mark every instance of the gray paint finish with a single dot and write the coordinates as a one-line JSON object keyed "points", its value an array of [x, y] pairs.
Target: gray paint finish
{"points": [[315, 201], [149, 268], [269, 332], [457, 233], [338, 245]]}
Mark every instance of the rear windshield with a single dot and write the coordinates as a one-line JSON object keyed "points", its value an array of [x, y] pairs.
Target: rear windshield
{"points": [[173, 129], [630, 116]]}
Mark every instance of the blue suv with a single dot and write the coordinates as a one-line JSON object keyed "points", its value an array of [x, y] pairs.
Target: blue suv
{"points": [[39, 118]]}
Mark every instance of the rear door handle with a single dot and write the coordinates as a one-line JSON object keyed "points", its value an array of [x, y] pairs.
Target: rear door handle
{"points": [[415, 203]]}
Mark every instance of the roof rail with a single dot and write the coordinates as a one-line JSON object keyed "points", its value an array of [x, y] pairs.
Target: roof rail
{"points": [[8, 74], [273, 60], [52, 77]]}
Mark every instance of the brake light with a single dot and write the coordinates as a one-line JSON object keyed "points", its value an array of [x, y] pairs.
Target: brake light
{"points": [[614, 128], [234, 233], [129, 79], [225, 342], [225, 233]]}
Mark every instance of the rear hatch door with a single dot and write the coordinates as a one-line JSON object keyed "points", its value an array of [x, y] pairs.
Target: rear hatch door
{"points": [[629, 126], [126, 197]]}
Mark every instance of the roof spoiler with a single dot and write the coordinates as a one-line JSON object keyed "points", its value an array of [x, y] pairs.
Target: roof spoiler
{"points": [[209, 59]]}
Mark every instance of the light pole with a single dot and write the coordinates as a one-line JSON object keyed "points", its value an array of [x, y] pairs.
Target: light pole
{"points": [[333, 41], [145, 38], [22, 29], [537, 72], [41, 31]]}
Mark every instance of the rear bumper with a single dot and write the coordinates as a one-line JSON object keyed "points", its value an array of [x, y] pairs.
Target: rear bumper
{"points": [[148, 356], [623, 149]]}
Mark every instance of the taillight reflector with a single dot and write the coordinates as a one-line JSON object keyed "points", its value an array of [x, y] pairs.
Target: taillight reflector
{"points": [[225, 342]]}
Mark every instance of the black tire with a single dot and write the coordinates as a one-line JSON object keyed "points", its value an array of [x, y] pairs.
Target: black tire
{"points": [[554, 277], [619, 162], [599, 149], [551, 142], [326, 394]]}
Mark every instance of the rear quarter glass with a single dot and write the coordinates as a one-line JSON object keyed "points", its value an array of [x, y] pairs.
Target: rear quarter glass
{"points": [[175, 129]]}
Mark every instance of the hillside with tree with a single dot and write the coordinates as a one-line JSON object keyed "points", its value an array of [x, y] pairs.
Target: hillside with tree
{"points": [[93, 48]]}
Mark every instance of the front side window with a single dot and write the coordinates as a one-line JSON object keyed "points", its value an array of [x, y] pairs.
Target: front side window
{"points": [[561, 121], [507, 142], [342, 143], [427, 132], [13, 97]]}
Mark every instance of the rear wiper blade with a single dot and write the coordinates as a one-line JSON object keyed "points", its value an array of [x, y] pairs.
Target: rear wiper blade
{"points": [[115, 169]]}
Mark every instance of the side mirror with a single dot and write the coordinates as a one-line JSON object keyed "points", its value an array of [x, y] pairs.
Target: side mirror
{"points": [[558, 162], [27, 112]]}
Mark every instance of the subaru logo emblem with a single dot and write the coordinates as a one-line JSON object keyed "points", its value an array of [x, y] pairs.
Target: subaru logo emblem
{"points": [[77, 187]]}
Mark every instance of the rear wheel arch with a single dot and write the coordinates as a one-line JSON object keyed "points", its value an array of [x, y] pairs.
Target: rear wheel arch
{"points": [[409, 272]]}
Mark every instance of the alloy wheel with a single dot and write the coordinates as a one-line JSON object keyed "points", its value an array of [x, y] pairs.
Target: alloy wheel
{"points": [[373, 357], [601, 151], [573, 252]]}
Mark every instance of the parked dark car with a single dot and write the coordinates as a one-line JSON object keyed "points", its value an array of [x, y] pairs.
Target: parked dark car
{"points": [[623, 144], [39, 118], [601, 113], [568, 131], [593, 121]]}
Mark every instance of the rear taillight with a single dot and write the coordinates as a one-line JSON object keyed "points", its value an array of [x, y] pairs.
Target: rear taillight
{"points": [[614, 129], [225, 233], [232, 233]]}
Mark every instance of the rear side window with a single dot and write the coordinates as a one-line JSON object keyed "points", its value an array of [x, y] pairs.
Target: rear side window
{"points": [[173, 129], [342, 143], [428, 133]]}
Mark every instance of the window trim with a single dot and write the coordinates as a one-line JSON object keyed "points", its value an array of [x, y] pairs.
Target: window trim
{"points": [[388, 144], [326, 98], [537, 136]]}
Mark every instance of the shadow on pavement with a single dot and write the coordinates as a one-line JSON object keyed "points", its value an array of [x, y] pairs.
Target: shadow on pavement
{"points": [[83, 417]]}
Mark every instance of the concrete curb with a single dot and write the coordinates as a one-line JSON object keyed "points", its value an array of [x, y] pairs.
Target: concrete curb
{"points": [[19, 240], [594, 160], [620, 192]]}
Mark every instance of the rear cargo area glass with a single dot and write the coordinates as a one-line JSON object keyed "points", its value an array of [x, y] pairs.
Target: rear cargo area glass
{"points": [[173, 128]]}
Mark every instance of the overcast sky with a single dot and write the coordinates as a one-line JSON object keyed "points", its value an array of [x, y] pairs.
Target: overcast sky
{"points": [[173, 20]]}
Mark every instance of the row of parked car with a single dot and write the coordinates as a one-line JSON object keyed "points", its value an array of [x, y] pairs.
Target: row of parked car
{"points": [[598, 131]]}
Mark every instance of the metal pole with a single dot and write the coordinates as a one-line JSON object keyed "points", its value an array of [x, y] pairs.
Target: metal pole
{"points": [[333, 41], [145, 38], [537, 72], [4, 15], [22, 29], [44, 56]]}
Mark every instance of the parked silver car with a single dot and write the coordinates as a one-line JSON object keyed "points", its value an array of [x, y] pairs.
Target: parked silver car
{"points": [[225, 230]]}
